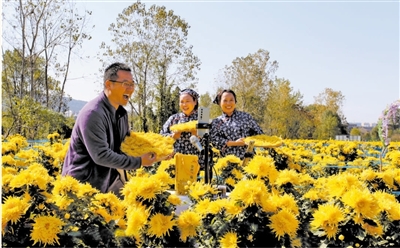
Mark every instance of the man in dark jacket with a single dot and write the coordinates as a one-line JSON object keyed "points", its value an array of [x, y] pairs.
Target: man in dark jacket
{"points": [[94, 154]]}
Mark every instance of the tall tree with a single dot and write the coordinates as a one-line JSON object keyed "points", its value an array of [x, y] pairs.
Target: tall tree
{"points": [[248, 77], [283, 110], [154, 42], [38, 40], [25, 115], [331, 100], [205, 100], [329, 127], [48, 30], [328, 106]]}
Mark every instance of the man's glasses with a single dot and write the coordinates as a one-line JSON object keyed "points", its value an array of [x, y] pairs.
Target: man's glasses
{"points": [[125, 84]]}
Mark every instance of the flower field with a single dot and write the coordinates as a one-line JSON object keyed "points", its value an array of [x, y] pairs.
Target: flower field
{"points": [[304, 193]]}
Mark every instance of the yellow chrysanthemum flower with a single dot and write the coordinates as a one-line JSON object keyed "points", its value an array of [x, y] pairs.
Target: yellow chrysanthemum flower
{"points": [[284, 222], [45, 230], [296, 242], [9, 170], [184, 127], [372, 229], [164, 178], [149, 188], [165, 165], [139, 143], [393, 210], [229, 240], [362, 201], [187, 223], [388, 203], [388, 177], [28, 155], [368, 175], [215, 206], [202, 206], [13, 208], [141, 188], [306, 179], [65, 185], [174, 199], [287, 176], [328, 218], [263, 140], [8, 160], [35, 174], [230, 181], [394, 157], [8, 174], [262, 167], [61, 201], [198, 190], [286, 201], [86, 190], [14, 144], [249, 192], [232, 209], [109, 206], [269, 205], [222, 163], [160, 225], [136, 219], [338, 184], [237, 174], [53, 136], [312, 194]]}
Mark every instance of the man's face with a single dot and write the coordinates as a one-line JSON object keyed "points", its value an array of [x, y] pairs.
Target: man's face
{"points": [[121, 89]]}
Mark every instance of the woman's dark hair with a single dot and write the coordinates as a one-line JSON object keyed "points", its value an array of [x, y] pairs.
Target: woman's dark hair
{"points": [[193, 94], [217, 99]]}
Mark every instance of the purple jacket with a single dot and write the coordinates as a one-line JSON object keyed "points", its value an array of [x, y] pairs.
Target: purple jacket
{"points": [[94, 151]]}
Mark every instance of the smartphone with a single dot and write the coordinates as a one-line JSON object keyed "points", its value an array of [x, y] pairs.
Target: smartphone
{"points": [[203, 121]]}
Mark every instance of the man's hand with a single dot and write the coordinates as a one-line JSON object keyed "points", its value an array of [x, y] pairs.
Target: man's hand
{"points": [[149, 159]]}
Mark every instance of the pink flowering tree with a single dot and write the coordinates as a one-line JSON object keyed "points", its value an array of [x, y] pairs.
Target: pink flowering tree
{"points": [[388, 115]]}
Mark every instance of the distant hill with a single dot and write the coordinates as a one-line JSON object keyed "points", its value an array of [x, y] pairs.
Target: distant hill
{"points": [[76, 105]]}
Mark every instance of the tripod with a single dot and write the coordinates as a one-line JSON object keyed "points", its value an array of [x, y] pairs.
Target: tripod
{"points": [[208, 154]]}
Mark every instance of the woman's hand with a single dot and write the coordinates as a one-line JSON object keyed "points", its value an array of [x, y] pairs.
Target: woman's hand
{"points": [[238, 142], [169, 156], [176, 135]]}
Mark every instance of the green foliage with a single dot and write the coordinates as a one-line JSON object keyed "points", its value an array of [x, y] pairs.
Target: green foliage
{"points": [[283, 113], [31, 119], [329, 126], [355, 131], [205, 100]]}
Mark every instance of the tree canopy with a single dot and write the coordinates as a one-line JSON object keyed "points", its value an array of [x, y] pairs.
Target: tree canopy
{"points": [[153, 41]]}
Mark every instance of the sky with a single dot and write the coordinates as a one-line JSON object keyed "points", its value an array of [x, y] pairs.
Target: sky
{"points": [[348, 46]]}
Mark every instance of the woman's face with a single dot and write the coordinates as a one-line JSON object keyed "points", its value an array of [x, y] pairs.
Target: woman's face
{"points": [[186, 103], [228, 103]]}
